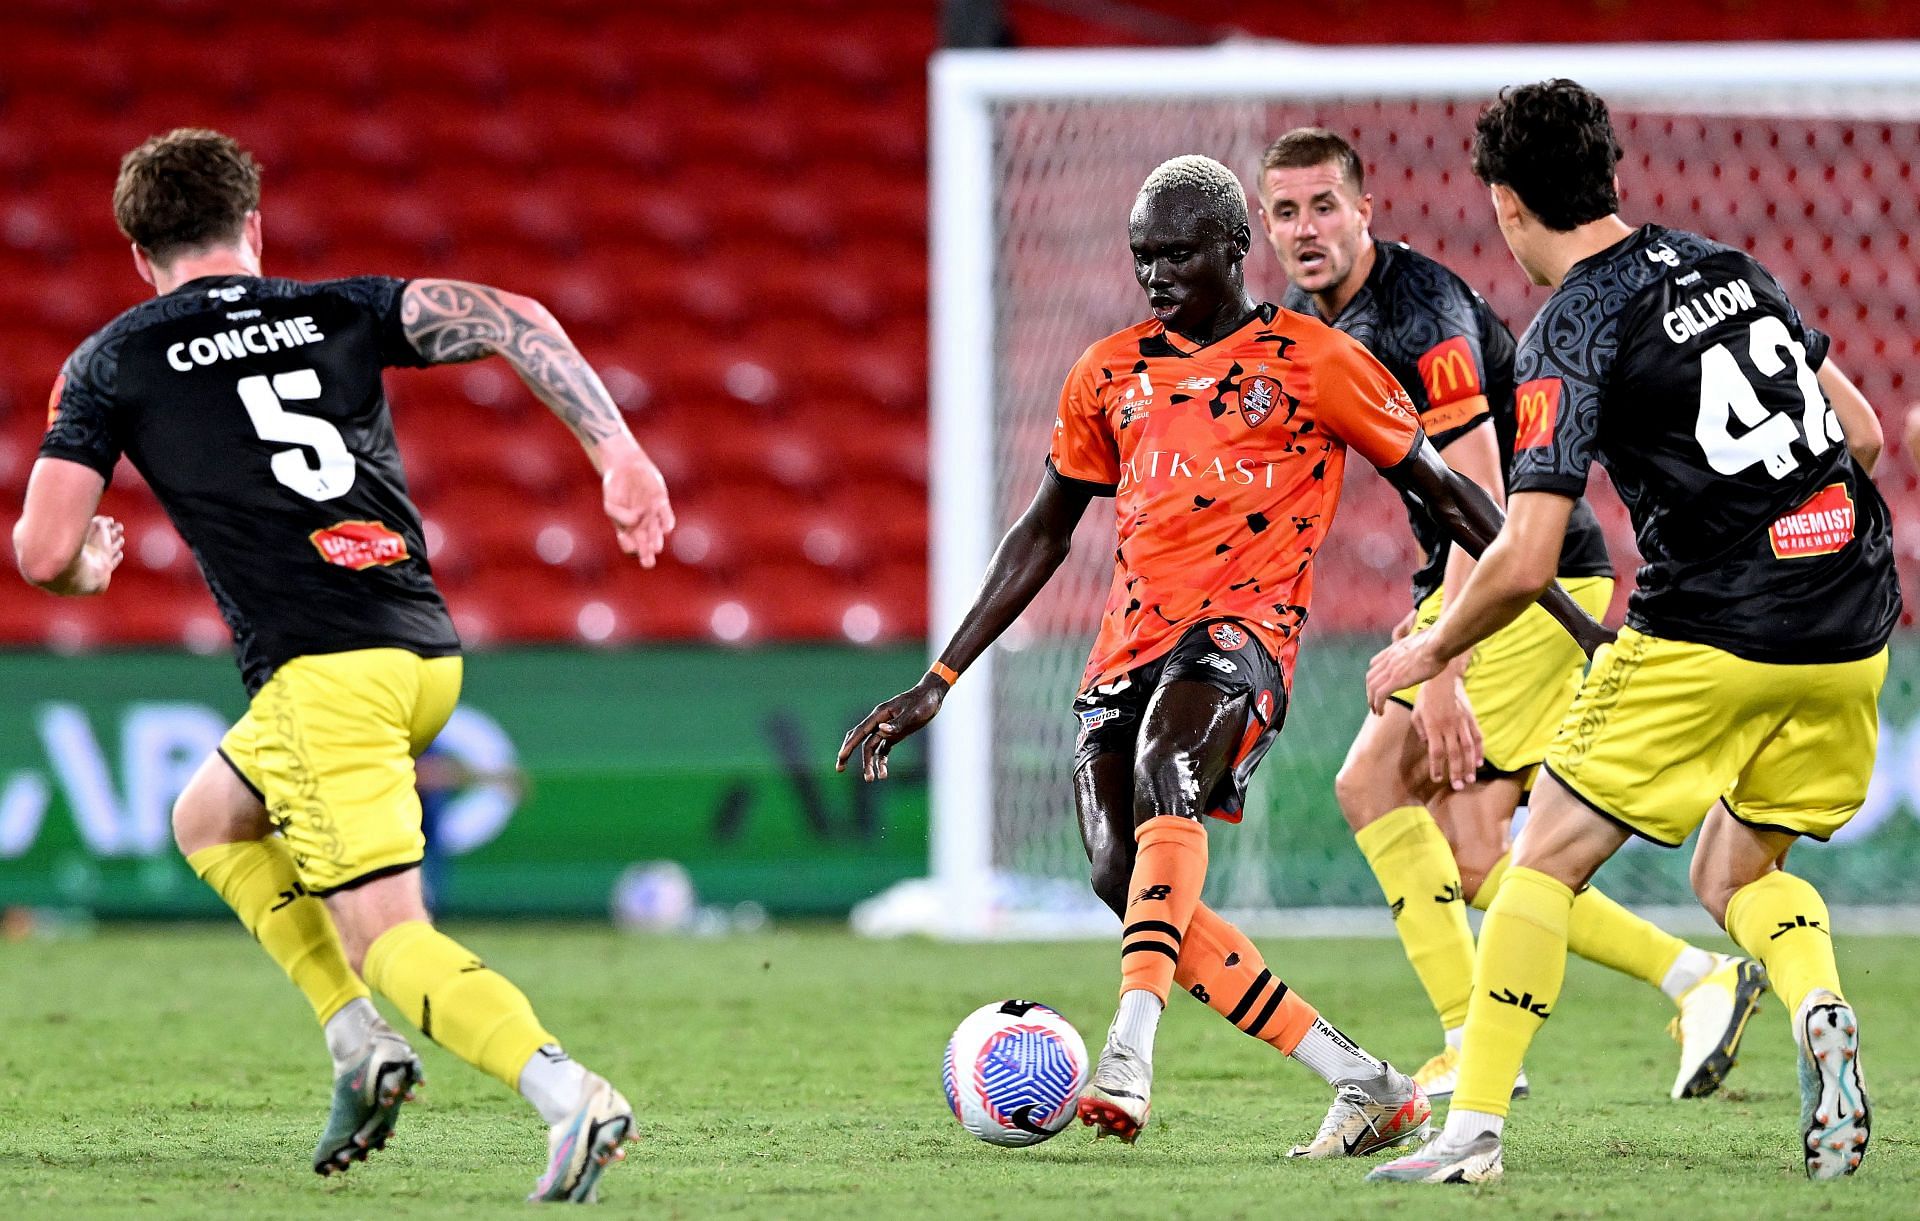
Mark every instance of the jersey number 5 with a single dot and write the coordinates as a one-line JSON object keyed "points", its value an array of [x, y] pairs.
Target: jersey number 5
{"points": [[333, 475], [1726, 394]]}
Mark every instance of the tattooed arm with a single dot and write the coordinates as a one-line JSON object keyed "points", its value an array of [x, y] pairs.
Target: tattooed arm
{"points": [[451, 321]]}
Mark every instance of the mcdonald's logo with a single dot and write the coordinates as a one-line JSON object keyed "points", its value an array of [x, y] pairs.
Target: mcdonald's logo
{"points": [[1448, 372], [1536, 406]]}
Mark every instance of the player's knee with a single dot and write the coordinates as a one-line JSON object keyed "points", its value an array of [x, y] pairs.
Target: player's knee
{"points": [[194, 828], [1112, 870], [1357, 793], [1712, 887]]}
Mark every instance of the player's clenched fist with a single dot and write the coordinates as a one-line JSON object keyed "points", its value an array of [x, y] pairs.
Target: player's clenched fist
{"points": [[100, 554], [900, 717], [634, 495]]}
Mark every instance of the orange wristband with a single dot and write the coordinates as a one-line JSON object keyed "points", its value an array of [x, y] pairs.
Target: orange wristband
{"points": [[944, 671]]}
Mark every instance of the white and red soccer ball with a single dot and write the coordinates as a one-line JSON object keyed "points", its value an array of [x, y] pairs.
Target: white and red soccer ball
{"points": [[1013, 1072]]}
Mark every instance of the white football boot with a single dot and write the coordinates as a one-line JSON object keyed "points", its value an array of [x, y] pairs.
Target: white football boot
{"points": [[367, 1099], [1475, 1160], [1117, 1098], [1713, 1018], [1365, 1118], [582, 1146], [1835, 1119]]}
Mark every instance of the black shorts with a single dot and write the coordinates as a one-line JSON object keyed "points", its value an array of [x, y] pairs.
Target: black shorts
{"points": [[1221, 653]]}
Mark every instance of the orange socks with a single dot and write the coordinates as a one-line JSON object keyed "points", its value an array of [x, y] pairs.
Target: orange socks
{"points": [[1168, 873], [1219, 966]]}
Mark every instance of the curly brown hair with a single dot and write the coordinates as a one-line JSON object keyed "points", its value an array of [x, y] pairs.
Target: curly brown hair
{"points": [[189, 188], [1553, 143]]}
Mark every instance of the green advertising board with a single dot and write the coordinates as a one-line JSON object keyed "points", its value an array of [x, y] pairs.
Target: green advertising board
{"points": [[720, 760]]}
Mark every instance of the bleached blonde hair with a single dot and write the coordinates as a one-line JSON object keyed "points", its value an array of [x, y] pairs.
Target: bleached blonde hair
{"points": [[1218, 186]]}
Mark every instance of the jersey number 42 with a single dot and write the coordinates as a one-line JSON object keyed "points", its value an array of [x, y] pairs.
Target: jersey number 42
{"points": [[1727, 394]]}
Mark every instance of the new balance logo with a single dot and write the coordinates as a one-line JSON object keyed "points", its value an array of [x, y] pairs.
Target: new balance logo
{"points": [[1451, 894], [1153, 894], [1396, 907], [290, 895], [1787, 926], [1524, 1001]]}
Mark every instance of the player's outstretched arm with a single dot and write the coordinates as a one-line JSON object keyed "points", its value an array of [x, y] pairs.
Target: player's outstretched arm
{"points": [[1857, 418], [1442, 714], [452, 321], [1475, 521], [60, 544], [1027, 557]]}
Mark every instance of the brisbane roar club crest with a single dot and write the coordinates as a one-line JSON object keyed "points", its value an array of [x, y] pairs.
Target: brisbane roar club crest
{"points": [[1227, 637], [1258, 397], [1536, 407]]}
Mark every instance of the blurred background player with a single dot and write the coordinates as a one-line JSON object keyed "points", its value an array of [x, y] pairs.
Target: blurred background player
{"points": [[1741, 697], [1220, 428], [254, 408], [1431, 783]]}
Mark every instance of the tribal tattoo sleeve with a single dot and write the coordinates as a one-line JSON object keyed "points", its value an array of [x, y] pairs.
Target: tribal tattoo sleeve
{"points": [[452, 321]]}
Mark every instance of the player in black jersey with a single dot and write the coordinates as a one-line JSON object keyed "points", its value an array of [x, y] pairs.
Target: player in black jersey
{"points": [[1431, 784], [1741, 697], [253, 407]]}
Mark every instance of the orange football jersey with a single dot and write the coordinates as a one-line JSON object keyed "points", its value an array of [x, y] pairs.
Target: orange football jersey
{"points": [[1224, 461]]}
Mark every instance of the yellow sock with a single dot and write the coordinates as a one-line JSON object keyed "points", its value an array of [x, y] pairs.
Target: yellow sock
{"points": [[455, 1000], [1782, 921], [257, 879], [1516, 983], [1602, 931], [1482, 899], [1414, 865]]}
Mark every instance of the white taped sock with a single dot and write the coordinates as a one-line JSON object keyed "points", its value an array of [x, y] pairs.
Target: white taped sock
{"points": [[348, 1030], [1457, 1037], [552, 1081], [1138, 1019], [1334, 1056], [1463, 1125], [1693, 965]]}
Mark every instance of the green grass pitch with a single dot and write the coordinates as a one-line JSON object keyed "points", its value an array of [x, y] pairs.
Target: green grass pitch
{"points": [[167, 1073]]}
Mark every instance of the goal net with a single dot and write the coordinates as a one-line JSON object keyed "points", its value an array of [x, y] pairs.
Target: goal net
{"points": [[1802, 155]]}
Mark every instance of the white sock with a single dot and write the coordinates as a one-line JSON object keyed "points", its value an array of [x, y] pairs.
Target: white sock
{"points": [[1693, 965], [1334, 1056], [1139, 1017], [1464, 1125], [348, 1030], [1457, 1037], [552, 1081]]}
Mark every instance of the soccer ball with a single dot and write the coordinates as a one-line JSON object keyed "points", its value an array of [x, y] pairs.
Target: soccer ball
{"points": [[1013, 1072]]}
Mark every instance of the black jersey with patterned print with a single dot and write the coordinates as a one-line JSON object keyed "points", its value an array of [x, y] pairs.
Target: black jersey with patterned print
{"points": [[1682, 366], [254, 409], [1444, 343]]}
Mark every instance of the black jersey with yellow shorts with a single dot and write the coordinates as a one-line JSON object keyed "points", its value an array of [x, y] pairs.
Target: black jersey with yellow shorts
{"points": [[254, 409], [1755, 646], [1455, 356]]}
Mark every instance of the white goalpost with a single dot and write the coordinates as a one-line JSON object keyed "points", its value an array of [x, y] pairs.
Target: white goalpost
{"points": [[1035, 159]]}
